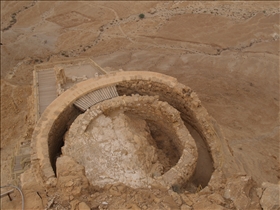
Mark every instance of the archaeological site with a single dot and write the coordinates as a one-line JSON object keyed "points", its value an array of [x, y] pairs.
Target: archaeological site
{"points": [[140, 105]]}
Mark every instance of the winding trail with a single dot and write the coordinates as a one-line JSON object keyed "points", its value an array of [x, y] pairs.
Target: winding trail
{"points": [[117, 18]]}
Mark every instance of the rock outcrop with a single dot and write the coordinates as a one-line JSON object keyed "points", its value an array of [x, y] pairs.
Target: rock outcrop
{"points": [[270, 198], [71, 179]]}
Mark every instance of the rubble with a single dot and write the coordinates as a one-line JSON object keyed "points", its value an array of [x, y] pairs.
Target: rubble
{"points": [[71, 179], [270, 198], [239, 189]]}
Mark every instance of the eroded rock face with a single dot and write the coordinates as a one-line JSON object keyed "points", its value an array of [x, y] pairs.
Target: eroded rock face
{"points": [[114, 142], [241, 191], [116, 149], [71, 179], [270, 198]]}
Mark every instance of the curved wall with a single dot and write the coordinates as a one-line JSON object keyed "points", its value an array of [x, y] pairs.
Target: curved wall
{"points": [[47, 137], [145, 108]]}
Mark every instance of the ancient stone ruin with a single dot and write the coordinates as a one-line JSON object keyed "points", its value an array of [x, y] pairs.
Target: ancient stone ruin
{"points": [[141, 130], [157, 101]]}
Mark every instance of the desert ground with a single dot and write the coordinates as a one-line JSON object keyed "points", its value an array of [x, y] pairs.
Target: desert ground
{"points": [[227, 52]]}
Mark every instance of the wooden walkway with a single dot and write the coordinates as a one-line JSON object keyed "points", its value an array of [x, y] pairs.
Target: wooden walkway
{"points": [[95, 97], [46, 89], [21, 160]]}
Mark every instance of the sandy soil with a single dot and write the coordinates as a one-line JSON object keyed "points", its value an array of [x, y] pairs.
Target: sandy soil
{"points": [[227, 52]]}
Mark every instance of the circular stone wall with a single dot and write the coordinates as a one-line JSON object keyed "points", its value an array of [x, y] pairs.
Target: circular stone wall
{"points": [[48, 134], [113, 142]]}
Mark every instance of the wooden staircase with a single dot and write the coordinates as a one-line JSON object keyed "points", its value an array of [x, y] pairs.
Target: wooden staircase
{"points": [[95, 97]]}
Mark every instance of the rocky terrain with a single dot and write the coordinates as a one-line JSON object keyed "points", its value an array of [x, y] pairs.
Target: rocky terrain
{"points": [[227, 52]]}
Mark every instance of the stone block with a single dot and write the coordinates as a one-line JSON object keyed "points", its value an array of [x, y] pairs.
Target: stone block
{"points": [[270, 199], [237, 189]]}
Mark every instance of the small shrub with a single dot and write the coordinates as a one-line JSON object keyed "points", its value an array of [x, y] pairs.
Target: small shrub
{"points": [[176, 188], [141, 16]]}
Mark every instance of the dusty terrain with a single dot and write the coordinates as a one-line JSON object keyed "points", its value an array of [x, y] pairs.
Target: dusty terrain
{"points": [[227, 52]]}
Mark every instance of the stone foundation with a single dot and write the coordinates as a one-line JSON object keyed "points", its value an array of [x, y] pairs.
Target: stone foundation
{"points": [[54, 122], [97, 146]]}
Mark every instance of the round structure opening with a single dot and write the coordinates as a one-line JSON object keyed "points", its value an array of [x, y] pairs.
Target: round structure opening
{"points": [[56, 119], [113, 141]]}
